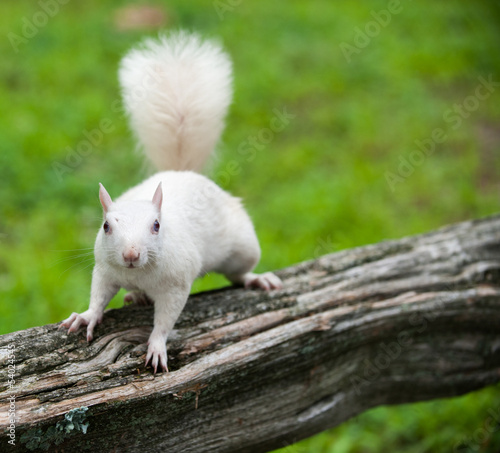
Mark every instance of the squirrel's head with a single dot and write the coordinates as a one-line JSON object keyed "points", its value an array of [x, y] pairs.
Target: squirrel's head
{"points": [[131, 230]]}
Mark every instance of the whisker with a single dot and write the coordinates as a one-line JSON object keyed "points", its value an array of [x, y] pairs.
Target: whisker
{"points": [[77, 256], [76, 264], [72, 250]]}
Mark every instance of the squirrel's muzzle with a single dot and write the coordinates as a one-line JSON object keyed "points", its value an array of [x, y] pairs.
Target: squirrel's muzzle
{"points": [[131, 256]]}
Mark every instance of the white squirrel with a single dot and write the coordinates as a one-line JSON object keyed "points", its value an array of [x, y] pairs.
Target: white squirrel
{"points": [[177, 225]]}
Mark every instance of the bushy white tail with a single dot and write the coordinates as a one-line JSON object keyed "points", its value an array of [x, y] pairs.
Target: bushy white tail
{"points": [[177, 90]]}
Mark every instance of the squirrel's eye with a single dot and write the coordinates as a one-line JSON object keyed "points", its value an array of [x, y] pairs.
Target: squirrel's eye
{"points": [[106, 227], [156, 226]]}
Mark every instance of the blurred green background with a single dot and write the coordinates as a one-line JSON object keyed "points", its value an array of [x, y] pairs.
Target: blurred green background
{"points": [[364, 85]]}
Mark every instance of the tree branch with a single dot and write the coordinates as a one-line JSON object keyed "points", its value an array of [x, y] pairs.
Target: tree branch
{"points": [[394, 322]]}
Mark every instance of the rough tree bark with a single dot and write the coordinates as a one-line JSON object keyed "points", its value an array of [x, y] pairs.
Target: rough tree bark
{"points": [[394, 322]]}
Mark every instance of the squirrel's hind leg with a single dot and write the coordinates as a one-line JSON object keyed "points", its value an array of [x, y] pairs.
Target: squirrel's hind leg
{"points": [[239, 265], [267, 281], [138, 298]]}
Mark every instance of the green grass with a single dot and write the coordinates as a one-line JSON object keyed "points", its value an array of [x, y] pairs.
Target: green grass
{"points": [[318, 186]]}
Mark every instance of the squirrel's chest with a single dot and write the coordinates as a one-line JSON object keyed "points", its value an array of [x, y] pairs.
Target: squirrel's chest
{"points": [[135, 280]]}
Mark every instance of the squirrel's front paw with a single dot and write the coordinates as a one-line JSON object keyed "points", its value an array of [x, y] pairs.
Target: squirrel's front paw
{"points": [[157, 353], [87, 318]]}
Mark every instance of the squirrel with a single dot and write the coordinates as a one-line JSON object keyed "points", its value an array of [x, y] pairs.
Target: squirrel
{"points": [[177, 225]]}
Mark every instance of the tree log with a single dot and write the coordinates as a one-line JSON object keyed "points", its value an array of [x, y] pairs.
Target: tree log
{"points": [[398, 321]]}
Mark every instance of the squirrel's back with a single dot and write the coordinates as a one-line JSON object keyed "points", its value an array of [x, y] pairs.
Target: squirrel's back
{"points": [[176, 91]]}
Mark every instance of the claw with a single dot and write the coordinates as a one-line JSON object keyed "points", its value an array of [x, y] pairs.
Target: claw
{"points": [[88, 318], [157, 356], [67, 322]]}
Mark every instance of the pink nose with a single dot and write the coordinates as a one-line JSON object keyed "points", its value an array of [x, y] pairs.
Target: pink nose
{"points": [[131, 256]]}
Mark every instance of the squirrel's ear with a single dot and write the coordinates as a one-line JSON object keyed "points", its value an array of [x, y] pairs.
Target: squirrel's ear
{"points": [[158, 198], [106, 200]]}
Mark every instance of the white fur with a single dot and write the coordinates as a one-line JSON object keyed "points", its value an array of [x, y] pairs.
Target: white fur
{"points": [[202, 228], [177, 91]]}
